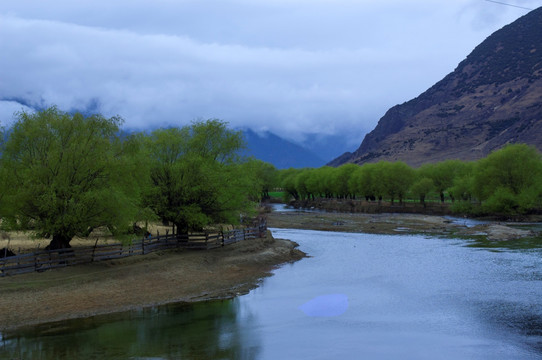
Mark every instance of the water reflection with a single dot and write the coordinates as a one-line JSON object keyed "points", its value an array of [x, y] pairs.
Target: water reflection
{"points": [[519, 319], [199, 331], [357, 296]]}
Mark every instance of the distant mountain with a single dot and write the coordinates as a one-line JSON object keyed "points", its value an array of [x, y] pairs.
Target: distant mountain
{"points": [[492, 98], [281, 153], [326, 146]]}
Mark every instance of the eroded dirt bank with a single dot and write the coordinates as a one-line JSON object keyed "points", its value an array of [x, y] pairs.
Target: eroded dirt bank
{"points": [[141, 281]]}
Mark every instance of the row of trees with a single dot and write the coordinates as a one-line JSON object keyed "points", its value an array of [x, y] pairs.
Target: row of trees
{"points": [[63, 175], [508, 181]]}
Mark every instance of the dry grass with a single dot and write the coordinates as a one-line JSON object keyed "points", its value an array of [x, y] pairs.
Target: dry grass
{"points": [[24, 242]]}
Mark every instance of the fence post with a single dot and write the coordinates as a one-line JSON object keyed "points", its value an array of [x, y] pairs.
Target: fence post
{"points": [[143, 245], [94, 250]]}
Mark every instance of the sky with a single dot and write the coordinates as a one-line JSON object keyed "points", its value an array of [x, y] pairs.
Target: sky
{"points": [[297, 68]]}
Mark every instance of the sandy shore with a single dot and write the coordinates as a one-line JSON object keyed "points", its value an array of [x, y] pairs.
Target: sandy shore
{"points": [[140, 281]]}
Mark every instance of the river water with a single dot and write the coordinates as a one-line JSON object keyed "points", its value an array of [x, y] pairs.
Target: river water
{"points": [[358, 296]]}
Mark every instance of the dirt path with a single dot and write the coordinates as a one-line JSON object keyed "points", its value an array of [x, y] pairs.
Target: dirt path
{"points": [[140, 281]]}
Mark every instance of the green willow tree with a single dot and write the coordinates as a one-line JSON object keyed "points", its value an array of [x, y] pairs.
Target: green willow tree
{"points": [[421, 187], [341, 181], [265, 175], [509, 180], [68, 174], [443, 174], [394, 179], [197, 176]]}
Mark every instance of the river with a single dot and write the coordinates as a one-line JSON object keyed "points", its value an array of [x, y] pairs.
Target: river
{"points": [[357, 296]]}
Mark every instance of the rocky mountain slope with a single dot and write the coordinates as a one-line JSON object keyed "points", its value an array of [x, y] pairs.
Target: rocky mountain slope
{"points": [[492, 98]]}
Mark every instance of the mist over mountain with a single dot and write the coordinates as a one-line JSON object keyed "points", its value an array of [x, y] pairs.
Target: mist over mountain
{"points": [[281, 153], [492, 98]]}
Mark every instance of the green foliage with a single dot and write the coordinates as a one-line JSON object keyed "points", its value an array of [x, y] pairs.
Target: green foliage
{"points": [[393, 179], [300, 183], [422, 186], [287, 181], [197, 177], [265, 176], [502, 201], [341, 180], [443, 174], [68, 174], [508, 181], [366, 181]]}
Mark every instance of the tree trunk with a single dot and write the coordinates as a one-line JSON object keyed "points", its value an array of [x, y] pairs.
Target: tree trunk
{"points": [[59, 241]]}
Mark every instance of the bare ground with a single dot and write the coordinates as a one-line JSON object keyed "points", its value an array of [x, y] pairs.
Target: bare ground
{"points": [[395, 224], [140, 281]]}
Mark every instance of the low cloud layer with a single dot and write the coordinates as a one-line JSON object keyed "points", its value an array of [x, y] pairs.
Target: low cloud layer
{"points": [[293, 67]]}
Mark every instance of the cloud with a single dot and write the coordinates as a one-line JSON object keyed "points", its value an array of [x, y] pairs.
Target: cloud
{"points": [[293, 67], [9, 110]]}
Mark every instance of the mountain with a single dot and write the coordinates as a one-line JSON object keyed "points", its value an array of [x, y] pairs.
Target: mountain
{"points": [[492, 98], [281, 153]]}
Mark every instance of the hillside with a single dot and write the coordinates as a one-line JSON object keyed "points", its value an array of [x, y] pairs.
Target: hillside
{"points": [[281, 153], [492, 98]]}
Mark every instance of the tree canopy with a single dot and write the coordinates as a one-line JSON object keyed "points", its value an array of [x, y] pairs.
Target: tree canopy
{"points": [[64, 175], [197, 176], [506, 182], [68, 174]]}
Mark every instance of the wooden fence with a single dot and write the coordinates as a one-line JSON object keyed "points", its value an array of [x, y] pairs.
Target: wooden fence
{"points": [[42, 260]]}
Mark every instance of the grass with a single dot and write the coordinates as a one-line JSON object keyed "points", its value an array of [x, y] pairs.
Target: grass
{"points": [[526, 243], [276, 194], [23, 242]]}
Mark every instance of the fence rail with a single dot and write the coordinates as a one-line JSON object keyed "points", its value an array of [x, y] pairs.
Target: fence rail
{"points": [[42, 260]]}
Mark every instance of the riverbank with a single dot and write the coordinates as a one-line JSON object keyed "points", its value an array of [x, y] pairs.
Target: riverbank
{"points": [[189, 276], [140, 281], [393, 223]]}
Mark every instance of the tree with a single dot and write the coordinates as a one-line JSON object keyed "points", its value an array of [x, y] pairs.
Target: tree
{"points": [[421, 187], [287, 182], [368, 182], [443, 174], [300, 183], [197, 177], [265, 175], [68, 174], [394, 179], [509, 179], [324, 181], [341, 180]]}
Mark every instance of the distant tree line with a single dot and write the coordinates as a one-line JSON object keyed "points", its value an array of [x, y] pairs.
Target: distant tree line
{"points": [[506, 182], [63, 175]]}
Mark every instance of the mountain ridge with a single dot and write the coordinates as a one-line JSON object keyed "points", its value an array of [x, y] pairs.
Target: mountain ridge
{"points": [[492, 98]]}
